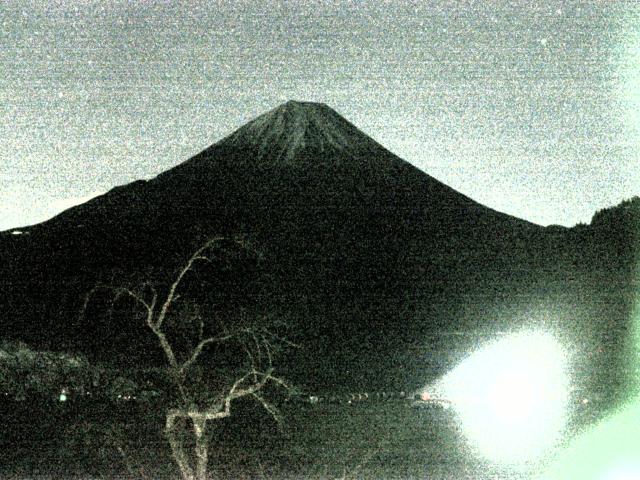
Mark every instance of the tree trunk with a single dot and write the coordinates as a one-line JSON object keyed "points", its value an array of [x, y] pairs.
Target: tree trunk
{"points": [[176, 448], [202, 446]]}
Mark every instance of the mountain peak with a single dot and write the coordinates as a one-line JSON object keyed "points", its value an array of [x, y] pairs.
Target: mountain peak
{"points": [[301, 105], [295, 128]]}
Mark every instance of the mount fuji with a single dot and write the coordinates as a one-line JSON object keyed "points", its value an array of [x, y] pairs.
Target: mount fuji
{"points": [[373, 264]]}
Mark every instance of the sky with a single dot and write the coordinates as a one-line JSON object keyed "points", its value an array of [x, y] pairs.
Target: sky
{"points": [[531, 108]]}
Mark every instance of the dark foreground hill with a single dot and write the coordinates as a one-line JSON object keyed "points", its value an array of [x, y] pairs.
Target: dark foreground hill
{"points": [[382, 273]]}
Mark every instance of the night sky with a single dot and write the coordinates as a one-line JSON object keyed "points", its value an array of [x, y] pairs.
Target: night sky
{"points": [[531, 108]]}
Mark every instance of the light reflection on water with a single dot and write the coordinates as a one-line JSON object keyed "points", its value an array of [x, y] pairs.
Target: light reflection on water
{"points": [[511, 396]]}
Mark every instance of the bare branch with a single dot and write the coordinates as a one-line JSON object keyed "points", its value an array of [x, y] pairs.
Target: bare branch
{"points": [[198, 350], [118, 293], [254, 338], [90, 294], [223, 327], [200, 328], [266, 377], [202, 258], [280, 382], [154, 301], [174, 286], [267, 349], [121, 291], [281, 340], [270, 408], [251, 360], [234, 391], [166, 347]]}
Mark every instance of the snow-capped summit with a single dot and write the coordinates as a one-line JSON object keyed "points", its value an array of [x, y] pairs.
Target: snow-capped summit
{"points": [[295, 129]]}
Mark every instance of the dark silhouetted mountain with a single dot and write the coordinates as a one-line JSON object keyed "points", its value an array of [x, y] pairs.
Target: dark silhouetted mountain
{"points": [[366, 258]]}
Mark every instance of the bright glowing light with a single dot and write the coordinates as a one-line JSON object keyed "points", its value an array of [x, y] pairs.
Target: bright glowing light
{"points": [[624, 471], [511, 396], [609, 451]]}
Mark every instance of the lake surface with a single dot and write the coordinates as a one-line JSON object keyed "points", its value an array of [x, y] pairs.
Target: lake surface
{"points": [[376, 440]]}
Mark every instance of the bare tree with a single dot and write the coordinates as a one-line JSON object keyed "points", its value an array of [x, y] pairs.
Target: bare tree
{"points": [[255, 341]]}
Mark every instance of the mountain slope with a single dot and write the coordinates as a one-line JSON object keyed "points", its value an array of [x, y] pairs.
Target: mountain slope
{"points": [[365, 256]]}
